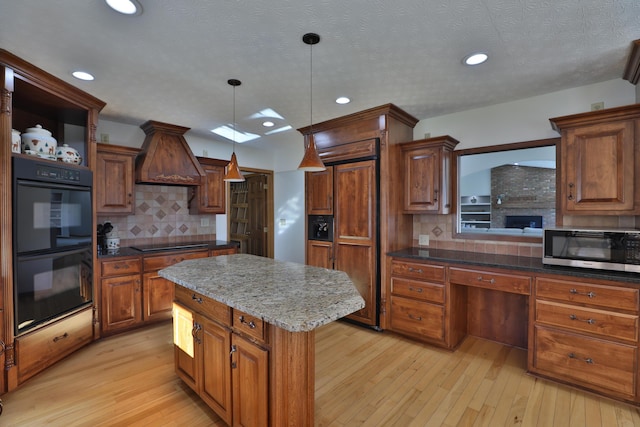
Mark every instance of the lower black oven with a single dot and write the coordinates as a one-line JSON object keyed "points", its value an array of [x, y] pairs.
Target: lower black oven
{"points": [[52, 240]]}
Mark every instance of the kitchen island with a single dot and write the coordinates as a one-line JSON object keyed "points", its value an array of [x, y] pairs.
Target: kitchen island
{"points": [[262, 313]]}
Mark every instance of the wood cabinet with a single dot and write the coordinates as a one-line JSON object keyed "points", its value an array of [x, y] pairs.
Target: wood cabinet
{"points": [[209, 197], [236, 387], [319, 192], [45, 346], [586, 334], [121, 294], [132, 292], [599, 152], [361, 189], [427, 175], [157, 292], [114, 179], [422, 305], [31, 96]]}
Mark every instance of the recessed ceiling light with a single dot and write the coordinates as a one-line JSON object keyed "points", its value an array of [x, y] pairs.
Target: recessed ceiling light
{"points": [[475, 58], [126, 7], [267, 124], [343, 100], [82, 75]]}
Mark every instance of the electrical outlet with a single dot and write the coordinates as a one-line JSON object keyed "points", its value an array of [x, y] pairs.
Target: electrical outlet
{"points": [[423, 240], [104, 138], [427, 135], [204, 222], [597, 106], [205, 153]]}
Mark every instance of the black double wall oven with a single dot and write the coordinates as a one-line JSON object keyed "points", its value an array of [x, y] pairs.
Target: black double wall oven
{"points": [[52, 241]]}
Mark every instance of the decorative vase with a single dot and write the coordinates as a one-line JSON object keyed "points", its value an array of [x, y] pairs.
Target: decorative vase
{"points": [[39, 140], [68, 154], [15, 141]]}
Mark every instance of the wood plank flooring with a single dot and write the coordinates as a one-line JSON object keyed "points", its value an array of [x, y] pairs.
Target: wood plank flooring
{"points": [[363, 378]]}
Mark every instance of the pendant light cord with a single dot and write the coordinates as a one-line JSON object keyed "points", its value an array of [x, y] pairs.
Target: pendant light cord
{"points": [[311, 88]]}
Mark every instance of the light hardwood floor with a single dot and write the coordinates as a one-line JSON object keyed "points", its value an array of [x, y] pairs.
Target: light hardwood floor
{"points": [[362, 378]]}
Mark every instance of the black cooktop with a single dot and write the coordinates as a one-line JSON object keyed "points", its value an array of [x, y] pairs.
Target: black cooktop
{"points": [[168, 246]]}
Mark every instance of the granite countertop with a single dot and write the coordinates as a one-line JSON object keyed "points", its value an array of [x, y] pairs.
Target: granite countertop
{"points": [[294, 297], [165, 247], [512, 262]]}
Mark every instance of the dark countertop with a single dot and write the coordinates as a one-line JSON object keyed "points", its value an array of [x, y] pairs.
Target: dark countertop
{"points": [[165, 247], [511, 262]]}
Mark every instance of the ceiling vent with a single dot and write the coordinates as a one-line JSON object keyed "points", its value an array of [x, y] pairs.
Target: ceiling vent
{"points": [[165, 157]]}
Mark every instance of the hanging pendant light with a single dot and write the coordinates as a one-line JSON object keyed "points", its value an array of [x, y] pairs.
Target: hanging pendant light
{"points": [[233, 171], [311, 161]]}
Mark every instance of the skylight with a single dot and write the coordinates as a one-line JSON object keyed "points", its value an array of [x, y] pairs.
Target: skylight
{"points": [[226, 131], [278, 130]]}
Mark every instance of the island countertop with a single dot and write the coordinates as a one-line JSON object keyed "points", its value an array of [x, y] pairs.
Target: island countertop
{"points": [[294, 297]]}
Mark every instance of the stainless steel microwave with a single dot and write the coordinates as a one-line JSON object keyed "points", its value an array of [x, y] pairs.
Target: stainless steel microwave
{"points": [[604, 249]]}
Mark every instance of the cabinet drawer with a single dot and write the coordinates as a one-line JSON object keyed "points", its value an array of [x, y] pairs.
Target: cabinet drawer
{"points": [[43, 347], [487, 279], [417, 318], [587, 293], [248, 324], [414, 270], [157, 262], [199, 303], [586, 361], [602, 322], [418, 290], [118, 267]]}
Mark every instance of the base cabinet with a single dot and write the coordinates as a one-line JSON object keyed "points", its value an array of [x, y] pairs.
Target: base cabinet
{"points": [[43, 347], [229, 372], [121, 294], [586, 334]]}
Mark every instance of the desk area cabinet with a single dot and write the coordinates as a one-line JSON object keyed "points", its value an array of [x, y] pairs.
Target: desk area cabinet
{"points": [[581, 331]]}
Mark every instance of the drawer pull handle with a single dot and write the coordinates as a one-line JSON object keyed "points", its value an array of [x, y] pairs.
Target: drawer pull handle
{"points": [[491, 281], [587, 360], [418, 318], [419, 290], [196, 299], [251, 323], [588, 294], [194, 332], [415, 270], [60, 337], [589, 321]]}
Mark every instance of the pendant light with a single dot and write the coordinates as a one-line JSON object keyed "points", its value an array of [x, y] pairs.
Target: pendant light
{"points": [[311, 162], [233, 171]]}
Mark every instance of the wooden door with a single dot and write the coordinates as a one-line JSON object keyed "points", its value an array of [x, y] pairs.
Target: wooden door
{"points": [[215, 379], [355, 237], [185, 334], [209, 197], [257, 215], [250, 378], [320, 254], [319, 192], [121, 302], [422, 186], [157, 297], [114, 179], [598, 171]]}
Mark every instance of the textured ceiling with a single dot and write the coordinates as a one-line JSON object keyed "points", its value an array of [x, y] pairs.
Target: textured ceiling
{"points": [[173, 61]]}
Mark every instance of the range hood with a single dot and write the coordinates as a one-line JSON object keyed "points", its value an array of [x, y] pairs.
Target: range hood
{"points": [[165, 157]]}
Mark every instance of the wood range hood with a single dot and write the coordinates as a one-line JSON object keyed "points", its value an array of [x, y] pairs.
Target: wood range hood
{"points": [[165, 157]]}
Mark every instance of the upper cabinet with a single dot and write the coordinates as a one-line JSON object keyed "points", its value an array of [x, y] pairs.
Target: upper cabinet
{"points": [[114, 179], [427, 175], [209, 197], [319, 192], [598, 155]]}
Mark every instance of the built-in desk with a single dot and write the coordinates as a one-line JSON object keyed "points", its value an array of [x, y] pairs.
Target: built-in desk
{"points": [[580, 326]]}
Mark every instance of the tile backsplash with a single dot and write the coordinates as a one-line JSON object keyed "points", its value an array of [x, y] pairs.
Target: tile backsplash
{"points": [[161, 214]]}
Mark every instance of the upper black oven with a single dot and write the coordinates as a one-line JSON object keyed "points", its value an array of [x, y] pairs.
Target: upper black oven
{"points": [[51, 206]]}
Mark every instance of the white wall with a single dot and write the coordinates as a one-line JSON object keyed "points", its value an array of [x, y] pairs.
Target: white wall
{"points": [[526, 119], [289, 242]]}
